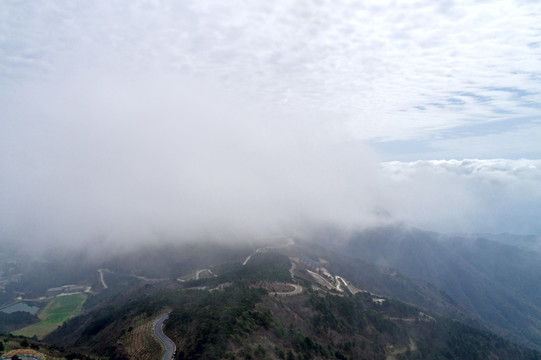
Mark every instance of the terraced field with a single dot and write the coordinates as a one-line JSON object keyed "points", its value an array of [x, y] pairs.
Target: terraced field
{"points": [[140, 343]]}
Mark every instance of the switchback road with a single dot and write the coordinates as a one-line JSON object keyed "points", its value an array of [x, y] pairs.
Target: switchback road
{"points": [[297, 291], [170, 347]]}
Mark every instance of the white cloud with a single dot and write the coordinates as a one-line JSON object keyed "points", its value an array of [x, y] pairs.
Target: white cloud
{"points": [[132, 117], [131, 159], [373, 64], [466, 196]]}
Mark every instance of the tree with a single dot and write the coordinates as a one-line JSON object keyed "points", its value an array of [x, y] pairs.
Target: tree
{"points": [[290, 355], [24, 343]]}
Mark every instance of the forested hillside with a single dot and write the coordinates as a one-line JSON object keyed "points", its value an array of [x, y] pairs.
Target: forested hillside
{"points": [[232, 315], [498, 282]]}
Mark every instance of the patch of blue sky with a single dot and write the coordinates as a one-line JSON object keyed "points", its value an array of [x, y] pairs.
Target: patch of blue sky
{"points": [[429, 148], [515, 92], [436, 104], [500, 111], [451, 102], [403, 150], [534, 105], [492, 127], [456, 101], [524, 98], [476, 97]]}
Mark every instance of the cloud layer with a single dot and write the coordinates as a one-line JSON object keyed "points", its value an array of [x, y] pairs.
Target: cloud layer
{"points": [[492, 196], [167, 157], [130, 159], [155, 119], [409, 70]]}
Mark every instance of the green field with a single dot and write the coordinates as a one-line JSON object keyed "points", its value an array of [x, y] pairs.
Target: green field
{"points": [[60, 309]]}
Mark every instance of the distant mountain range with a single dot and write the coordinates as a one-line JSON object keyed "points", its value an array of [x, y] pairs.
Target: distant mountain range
{"points": [[491, 278]]}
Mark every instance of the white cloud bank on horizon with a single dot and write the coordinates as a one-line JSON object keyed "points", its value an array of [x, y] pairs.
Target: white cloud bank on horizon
{"points": [[456, 196]]}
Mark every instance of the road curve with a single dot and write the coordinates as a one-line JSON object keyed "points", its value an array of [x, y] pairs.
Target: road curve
{"points": [[170, 347], [101, 277], [297, 291]]}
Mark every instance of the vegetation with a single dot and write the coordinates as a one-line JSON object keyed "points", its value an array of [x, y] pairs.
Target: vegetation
{"points": [[261, 267], [240, 322], [496, 282], [11, 345], [208, 321], [54, 314], [53, 271], [16, 320], [170, 261], [139, 342]]}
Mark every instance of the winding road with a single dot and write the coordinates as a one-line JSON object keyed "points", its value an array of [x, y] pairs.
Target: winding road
{"points": [[170, 347], [198, 273], [297, 291]]}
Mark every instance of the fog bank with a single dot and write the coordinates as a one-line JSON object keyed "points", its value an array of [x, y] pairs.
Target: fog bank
{"points": [[121, 158], [138, 158]]}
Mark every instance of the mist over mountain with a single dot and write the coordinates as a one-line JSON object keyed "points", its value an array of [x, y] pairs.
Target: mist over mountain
{"points": [[202, 159], [223, 303], [153, 121], [499, 282], [125, 159]]}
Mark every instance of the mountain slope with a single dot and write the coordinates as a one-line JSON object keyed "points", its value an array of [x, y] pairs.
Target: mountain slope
{"points": [[498, 282], [233, 315]]}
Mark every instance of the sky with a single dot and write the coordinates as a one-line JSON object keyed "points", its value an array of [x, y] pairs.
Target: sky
{"points": [[136, 119]]}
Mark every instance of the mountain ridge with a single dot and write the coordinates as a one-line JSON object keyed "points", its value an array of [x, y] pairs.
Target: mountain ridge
{"points": [[498, 282]]}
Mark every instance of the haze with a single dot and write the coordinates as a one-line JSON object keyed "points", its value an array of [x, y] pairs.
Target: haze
{"points": [[150, 120]]}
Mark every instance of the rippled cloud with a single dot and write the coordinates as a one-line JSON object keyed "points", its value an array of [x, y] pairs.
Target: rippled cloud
{"points": [[388, 70]]}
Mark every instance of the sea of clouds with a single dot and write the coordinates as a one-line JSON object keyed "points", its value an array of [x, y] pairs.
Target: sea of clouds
{"points": [[473, 195]]}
